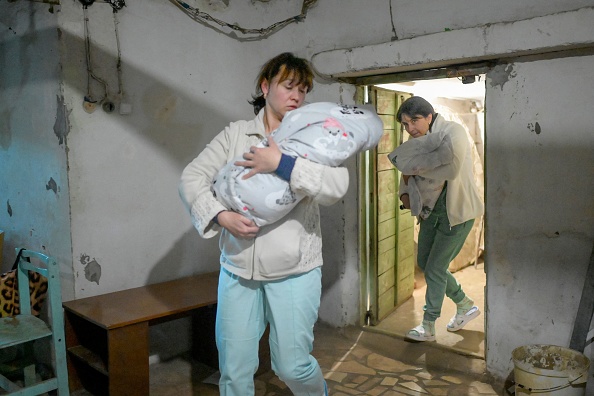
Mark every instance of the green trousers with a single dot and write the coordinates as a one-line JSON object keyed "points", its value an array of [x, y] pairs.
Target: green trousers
{"points": [[439, 244]]}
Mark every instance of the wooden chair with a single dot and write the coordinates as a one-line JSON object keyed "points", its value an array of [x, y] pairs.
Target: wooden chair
{"points": [[23, 329]]}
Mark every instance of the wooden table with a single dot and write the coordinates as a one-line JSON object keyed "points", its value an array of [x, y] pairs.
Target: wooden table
{"points": [[107, 336]]}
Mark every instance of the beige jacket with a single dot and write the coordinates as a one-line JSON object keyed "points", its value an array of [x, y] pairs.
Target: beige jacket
{"points": [[463, 201], [293, 245]]}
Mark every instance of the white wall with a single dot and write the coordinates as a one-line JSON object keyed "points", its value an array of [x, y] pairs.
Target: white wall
{"points": [[120, 224], [539, 207], [185, 81], [126, 213], [34, 193], [539, 227], [440, 16]]}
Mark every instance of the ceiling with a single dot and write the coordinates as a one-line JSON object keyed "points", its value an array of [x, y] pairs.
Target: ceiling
{"points": [[452, 88]]}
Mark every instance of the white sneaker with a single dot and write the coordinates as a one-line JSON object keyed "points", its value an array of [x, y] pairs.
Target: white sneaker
{"points": [[458, 321], [423, 332]]}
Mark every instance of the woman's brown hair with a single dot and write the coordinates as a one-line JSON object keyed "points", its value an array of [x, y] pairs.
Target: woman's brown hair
{"points": [[283, 65]]}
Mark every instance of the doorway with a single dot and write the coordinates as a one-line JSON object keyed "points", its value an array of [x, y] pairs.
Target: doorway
{"points": [[460, 100]]}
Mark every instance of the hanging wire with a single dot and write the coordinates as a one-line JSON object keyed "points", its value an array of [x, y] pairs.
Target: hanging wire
{"points": [[89, 101], [201, 16], [119, 63], [117, 4], [90, 73]]}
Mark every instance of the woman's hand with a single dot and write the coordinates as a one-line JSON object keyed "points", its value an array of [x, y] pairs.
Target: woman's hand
{"points": [[405, 201], [238, 225], [261, 159]]}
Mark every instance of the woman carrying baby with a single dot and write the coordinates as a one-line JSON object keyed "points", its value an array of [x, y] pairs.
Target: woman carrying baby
{"points": [[449, 203], [270, 275]]}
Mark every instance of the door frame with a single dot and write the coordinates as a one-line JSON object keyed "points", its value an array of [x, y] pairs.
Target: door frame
{"points": [[368, 183]]}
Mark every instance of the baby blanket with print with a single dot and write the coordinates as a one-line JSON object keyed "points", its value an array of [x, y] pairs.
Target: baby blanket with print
{"points": [[417, 156], [424, 153], [325, 133]]}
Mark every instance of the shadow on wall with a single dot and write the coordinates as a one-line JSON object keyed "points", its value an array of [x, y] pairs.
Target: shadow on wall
{"points": [[176, 125]]}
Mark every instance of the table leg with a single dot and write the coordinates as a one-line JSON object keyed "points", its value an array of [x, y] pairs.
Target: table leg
{"points": [[128, 360], [71, 341]]}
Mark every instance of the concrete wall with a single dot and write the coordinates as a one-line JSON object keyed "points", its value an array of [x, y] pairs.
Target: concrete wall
{"points": [[185, 80], [539, 207], [439, 16], [34, 128], [539, 234], [128, 225]]}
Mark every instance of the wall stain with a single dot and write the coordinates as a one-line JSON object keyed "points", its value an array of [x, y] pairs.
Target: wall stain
{"points": [[534, 128], [51, 185], [166, 108], [543, 32], [61, 126], [9, 208], [220, 5], [92, 268], [501, 74], [160, 103], [5, 133]]}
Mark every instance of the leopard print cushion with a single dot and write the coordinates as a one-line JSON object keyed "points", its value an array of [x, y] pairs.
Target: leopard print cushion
{"points": [[9, 295]]}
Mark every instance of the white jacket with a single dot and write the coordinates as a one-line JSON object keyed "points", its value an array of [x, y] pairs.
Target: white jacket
{"points": [[463, 201], [290, 246]]}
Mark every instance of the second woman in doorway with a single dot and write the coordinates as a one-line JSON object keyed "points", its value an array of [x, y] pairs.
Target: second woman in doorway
{"points": [[438, 183]]}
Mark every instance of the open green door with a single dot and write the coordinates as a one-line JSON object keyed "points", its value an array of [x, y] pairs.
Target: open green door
{"points": [[387, 244]]}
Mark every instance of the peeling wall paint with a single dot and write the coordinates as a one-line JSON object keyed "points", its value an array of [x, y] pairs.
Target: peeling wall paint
{"points": [[534, 127], [51, 185], [61, 126], [501, 74], [92, 268], [32, 115]]}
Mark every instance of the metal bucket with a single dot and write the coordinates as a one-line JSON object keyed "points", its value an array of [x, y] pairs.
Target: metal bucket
{"points": [[550, 370]]}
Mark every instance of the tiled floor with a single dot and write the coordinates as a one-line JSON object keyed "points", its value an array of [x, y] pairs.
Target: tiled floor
{"points": [[354, 362], [470, 340]]}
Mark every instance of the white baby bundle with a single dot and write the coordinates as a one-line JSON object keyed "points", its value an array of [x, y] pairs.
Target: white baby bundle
{"points": [[325, 133]]}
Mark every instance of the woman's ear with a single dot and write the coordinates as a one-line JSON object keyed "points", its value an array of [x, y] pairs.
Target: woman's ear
{"points": [[264, 87]]}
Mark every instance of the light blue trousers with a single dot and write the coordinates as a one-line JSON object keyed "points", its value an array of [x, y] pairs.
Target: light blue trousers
{"points": [[290, 306]]}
